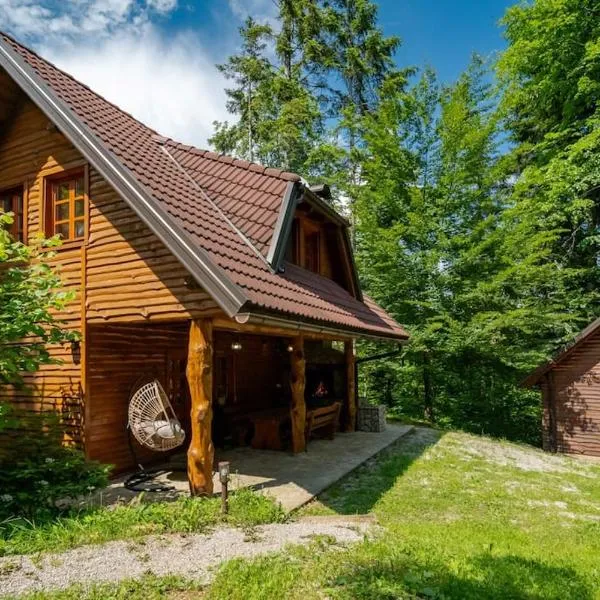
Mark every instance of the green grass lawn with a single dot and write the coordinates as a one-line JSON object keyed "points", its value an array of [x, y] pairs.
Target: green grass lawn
{"points": [[460, 517], [133, 520]]}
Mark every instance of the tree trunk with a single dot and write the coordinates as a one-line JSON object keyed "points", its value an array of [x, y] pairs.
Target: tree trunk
{"points": [[350, 412], [427, 389], [297, 383], [199, 376]]}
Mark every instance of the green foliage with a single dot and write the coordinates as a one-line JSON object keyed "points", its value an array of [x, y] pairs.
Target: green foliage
{"points": [[551, 74], [148, 587], [39, 474], [36, 470], [441, 243], [279, 121], [134, 520], [300, 89], [29, 295], [476, 208]]}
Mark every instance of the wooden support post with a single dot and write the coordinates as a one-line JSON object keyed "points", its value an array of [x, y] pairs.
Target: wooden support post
{"points": [[297, 382], [199, 376], [351, 408]]}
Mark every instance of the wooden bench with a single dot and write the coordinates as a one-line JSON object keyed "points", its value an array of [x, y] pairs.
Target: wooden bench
{"points": [[325, 418]]}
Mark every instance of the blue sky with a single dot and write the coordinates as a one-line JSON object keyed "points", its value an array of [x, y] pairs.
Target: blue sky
{"points": [[156, 58], [444, 33]]}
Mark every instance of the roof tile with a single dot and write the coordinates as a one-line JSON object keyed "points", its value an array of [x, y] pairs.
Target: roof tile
{"points": [[229, 187]]}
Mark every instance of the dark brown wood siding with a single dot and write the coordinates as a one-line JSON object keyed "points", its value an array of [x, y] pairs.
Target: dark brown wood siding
{"points": [[576, 382], [123, 356]]}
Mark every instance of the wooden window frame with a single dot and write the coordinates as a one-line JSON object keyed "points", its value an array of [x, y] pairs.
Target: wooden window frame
{"points": [[50, 202], [19, 235]]}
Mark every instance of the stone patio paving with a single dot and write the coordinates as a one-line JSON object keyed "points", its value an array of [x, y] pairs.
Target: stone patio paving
{"points": [[293, 480]]}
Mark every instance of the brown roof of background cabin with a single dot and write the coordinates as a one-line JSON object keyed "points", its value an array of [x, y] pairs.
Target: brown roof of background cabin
{"points": [[227, 208], [533, 378]]}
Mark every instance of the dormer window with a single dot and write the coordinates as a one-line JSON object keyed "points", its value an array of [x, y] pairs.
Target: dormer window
{"points": [[66, 207], [11, 201], [304, 245]]}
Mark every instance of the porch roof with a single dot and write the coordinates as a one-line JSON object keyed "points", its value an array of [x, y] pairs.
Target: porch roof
{"points": [[217, 214]]}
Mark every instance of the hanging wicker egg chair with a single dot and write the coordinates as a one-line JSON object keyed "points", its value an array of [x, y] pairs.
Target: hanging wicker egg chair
{"points": [[152, 420]]}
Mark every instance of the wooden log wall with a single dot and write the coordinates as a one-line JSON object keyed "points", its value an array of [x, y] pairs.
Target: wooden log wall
{"points": [[30, 151], [121, 273], [123, 355], [577, 401], [548, 429], [131, 275]]}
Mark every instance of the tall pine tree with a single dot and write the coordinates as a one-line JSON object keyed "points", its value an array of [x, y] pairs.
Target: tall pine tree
{"points": [[278, 120], [440, 244], [300, 90]]}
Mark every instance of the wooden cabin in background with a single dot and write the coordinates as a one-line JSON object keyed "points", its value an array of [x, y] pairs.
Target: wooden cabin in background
{"points": [[232, 283], [570, 386]]}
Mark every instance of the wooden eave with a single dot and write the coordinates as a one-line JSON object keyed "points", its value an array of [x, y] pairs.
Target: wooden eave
{"points": [[257, 318]]}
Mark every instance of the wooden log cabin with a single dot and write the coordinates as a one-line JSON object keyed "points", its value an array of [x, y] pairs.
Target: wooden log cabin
{"points": [[231, 283], [570, 387]]}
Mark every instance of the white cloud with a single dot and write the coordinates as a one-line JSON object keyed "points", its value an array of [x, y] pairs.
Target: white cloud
{"points": [[170, 84], [116, 48], [67, 20], [260, 10]]}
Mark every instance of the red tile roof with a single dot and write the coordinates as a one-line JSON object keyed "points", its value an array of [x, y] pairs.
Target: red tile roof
{"points": [[227, 207], [249, 194]]}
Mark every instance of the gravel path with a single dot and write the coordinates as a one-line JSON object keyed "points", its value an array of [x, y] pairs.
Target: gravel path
{"points": [[190, 555]]}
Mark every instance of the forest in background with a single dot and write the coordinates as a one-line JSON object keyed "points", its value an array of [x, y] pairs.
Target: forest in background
{"points": [[475, 205]]}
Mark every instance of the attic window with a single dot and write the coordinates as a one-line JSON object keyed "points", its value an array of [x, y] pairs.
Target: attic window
{"points": [[66, 206], [12, 201]]}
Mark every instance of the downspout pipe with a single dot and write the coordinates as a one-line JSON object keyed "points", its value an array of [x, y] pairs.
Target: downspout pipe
{"points": [[372, 358], [379, 356]]}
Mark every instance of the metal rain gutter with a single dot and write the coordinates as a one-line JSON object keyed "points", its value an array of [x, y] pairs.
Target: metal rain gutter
{"points": [[301, 326]]}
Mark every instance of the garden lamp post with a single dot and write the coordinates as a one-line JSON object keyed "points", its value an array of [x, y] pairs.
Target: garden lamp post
{"points": [[224, 479]]}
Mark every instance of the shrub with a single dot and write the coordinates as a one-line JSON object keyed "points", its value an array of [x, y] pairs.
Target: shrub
{"points": [[38, 474]]}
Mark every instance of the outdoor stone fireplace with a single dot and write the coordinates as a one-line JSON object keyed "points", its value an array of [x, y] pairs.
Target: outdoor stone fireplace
{"points": [[325, 374]]}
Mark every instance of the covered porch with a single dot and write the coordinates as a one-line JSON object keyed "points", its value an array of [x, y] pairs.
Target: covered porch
{"points": [[263, 398], [235, 387], [291, 480]]}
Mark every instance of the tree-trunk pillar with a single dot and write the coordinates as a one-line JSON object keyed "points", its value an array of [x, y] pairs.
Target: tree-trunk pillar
{"points": [[297, 383], [350, 412], [199, 376]]}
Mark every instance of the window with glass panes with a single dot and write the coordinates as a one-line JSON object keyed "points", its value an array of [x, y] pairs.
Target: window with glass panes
{"points": [[67, 207], [12, 201]]}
